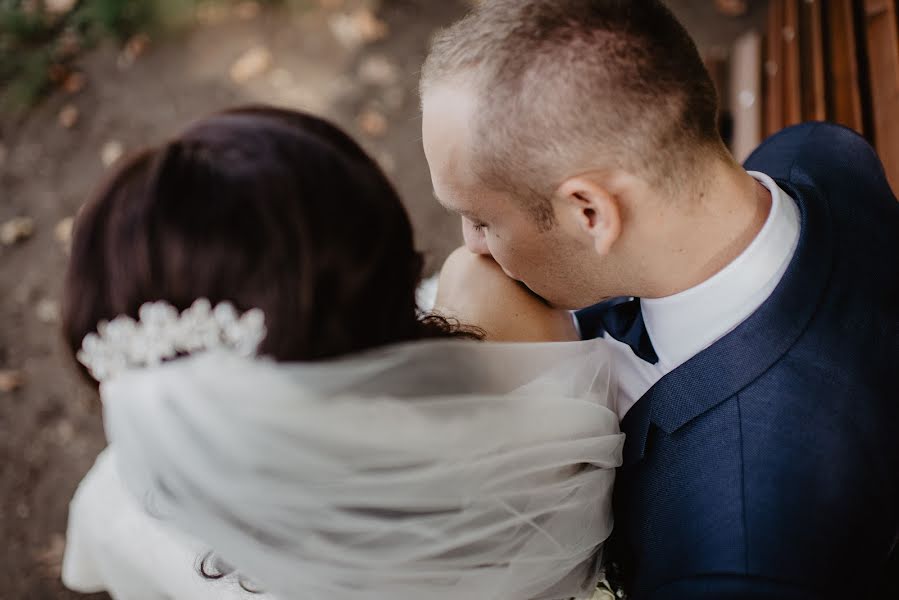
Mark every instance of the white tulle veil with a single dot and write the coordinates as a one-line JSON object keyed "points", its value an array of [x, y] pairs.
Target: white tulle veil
{"points": [[432, 470]]}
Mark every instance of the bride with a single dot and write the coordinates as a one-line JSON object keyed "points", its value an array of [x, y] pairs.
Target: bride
{"points": [[285, 422]]}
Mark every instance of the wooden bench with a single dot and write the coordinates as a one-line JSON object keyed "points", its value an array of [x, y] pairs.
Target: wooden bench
{"points": [[835, 60]]}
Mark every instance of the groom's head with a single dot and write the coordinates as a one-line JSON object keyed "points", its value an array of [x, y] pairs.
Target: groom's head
{"points": [[562, 131]]}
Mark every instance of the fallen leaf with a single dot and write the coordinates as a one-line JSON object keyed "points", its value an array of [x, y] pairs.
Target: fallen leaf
{"points": [[373, 123], [68, 116], [74, 83], [378, 70], [361, 27], [111, 152], [370, 27], [11, 380], [63, 232], [247, 10], [15, 230], [58, 7], [47, 311], [137, 45], [50, 557], [57, 73], [134, 48], [252, 63], [732, 8]]}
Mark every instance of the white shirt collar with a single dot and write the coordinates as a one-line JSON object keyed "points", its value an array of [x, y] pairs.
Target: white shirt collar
{"points": [[683, 325]]}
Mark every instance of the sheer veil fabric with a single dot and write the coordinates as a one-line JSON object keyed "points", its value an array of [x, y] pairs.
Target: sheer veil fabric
{"points": [[439, 470]]}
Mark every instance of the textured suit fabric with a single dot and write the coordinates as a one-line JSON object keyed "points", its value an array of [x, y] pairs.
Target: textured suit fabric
{"points": [[767, 466]]}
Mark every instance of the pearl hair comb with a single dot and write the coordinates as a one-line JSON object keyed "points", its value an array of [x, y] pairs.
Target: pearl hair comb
{"points": [[161, 334]]}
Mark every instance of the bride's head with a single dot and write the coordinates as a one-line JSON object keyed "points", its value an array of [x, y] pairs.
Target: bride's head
{"points": [[264, 208]]}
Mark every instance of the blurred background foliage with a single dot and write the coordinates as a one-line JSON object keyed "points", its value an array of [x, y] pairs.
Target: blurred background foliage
{"points": [[41, 39]]}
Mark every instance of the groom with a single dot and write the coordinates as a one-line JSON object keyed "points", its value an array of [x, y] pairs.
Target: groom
{"points": [[759, 358]]}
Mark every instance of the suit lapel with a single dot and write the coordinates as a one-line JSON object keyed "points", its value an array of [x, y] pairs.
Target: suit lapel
{"points": [[739, 358]]}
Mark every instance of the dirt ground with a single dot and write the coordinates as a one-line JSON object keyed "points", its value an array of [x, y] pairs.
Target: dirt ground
{"points": [[354, 61]]}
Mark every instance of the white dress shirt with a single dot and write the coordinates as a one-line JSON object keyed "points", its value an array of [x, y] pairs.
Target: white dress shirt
{"points": [[683, 325]]}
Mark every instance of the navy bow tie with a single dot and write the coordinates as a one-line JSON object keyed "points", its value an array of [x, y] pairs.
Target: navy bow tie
{"points": [[622, 319]]}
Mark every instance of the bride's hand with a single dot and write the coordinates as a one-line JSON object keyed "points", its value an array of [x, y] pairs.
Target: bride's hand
{"points": [[476, 291]]}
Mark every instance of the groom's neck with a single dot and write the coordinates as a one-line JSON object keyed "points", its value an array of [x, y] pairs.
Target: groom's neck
{"points": [[722, 221]]}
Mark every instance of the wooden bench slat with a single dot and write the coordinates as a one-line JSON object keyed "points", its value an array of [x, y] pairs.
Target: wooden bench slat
{"points": [[791, 62], [883, 60], [842, 62], [774, 70], [746, 94], [814, 94]]}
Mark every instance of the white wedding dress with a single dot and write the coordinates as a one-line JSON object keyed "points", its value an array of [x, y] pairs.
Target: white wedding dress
{"points": [[112, 545], [438, 469]]}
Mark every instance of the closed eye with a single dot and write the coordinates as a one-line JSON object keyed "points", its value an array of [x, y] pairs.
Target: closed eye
{"points": [[475, 224]]}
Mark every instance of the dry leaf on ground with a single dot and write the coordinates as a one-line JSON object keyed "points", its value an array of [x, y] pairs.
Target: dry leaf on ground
{"points": [[111, 152], [361, 27], [134, 48], [63, 232], [47, 311], [11, 380], [137, 45], [15, 230], [252, 63], [378, 70], [50, 557], [732, 8], [59, 7], [68, 116], [373, 123], [74, 83]]}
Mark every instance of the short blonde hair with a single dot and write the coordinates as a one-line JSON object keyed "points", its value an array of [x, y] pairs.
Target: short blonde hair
{"points": [[568, 84]]}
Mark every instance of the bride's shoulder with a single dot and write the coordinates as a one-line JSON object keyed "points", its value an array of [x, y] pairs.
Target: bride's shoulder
{"points": [[114, 545], [475, 290]]}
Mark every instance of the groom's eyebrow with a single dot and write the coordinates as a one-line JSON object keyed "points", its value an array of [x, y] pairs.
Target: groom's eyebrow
{"points": [[455, 211]]}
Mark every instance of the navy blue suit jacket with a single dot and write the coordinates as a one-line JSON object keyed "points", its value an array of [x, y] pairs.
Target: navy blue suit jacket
{"points": [[767, 466]]}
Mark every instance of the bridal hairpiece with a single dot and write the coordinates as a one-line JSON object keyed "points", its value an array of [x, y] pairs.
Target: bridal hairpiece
{"points": [[161, 333]]}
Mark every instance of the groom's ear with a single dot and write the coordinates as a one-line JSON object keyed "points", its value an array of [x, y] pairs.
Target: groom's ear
{"points": [[592, 209]]}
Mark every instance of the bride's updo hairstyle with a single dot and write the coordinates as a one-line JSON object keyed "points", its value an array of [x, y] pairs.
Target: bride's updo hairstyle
{"points": [[264, 208]]}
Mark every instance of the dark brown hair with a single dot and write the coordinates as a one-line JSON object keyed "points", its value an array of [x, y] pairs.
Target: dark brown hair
{"points": [[262, 207], [564, 84]]}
